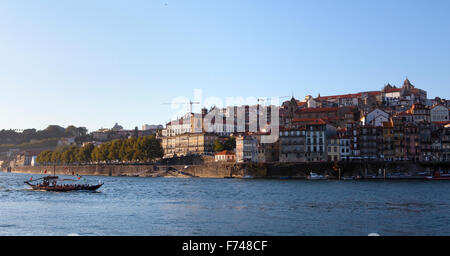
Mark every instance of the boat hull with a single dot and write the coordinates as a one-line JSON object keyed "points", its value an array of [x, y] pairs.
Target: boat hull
{"points": [[65, 188], [439, 178]]}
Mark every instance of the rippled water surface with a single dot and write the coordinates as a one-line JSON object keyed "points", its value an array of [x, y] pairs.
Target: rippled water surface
{"points": [[173, 206]]}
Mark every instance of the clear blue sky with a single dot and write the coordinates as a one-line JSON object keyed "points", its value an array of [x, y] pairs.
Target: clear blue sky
{"points": [[94, 63]]}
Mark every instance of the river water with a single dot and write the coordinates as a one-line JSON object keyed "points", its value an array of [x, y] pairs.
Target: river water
{"points": [[193, 206]]}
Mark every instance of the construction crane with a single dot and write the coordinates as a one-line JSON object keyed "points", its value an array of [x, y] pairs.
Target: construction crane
{"points": [[264, 99], [190, 103]]}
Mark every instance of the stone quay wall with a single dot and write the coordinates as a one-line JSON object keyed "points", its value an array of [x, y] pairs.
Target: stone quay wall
{"points": [[237, 170]]}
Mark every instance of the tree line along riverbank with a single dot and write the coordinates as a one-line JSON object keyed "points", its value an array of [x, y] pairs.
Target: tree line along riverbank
{"points": [[142, 149]]}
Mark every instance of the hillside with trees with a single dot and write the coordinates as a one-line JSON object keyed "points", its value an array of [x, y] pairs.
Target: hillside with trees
{"points": [[143, 149], [47, 138]]}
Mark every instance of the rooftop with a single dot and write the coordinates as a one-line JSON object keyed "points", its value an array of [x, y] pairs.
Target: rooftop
{"points": [[316, 110], [309, 121], [225, 152]]}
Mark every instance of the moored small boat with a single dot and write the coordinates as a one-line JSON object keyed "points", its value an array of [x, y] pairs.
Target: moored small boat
{"points": [[315, 176], [439, 175]]}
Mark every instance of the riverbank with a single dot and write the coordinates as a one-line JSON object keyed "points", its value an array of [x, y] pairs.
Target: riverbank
{"points": [[370, 170]]}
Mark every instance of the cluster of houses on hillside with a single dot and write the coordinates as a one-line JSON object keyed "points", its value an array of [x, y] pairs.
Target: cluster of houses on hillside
{"points": [[118, 132], [389, 125], [393, 124]]}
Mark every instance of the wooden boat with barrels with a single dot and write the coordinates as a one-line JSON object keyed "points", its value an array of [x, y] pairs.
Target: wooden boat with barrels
{"points": [[50, 183]]}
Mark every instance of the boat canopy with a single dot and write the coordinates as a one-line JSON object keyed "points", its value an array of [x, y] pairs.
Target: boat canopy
{"points": [[50, 178]]}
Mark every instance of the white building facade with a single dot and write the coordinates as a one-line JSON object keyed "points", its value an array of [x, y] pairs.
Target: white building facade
{"points": [[375, 118], [439, 113]]}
